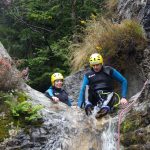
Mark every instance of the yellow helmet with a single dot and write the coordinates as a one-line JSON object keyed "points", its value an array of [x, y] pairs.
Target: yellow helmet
{"points": [[95, 59], [56, 76]]}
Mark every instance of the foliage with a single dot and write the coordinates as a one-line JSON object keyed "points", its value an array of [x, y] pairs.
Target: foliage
{"points": [[20, 113], [118, 41], [25, 109], [22, 109], [5, 118], [40, 32]]}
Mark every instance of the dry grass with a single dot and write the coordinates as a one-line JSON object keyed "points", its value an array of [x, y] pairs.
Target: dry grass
{"points": [[111, 5], [115, 39]]}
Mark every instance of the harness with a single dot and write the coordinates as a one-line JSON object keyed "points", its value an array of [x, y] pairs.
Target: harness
{"points": [[104, 104], [106, 97]]}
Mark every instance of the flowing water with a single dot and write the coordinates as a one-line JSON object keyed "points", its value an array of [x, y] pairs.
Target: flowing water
{"points": [[95, 134], [71, 129], [109, 135]]}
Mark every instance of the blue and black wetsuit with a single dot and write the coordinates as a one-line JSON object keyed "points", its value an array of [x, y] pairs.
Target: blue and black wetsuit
{"points": [[59, 93], [102, 80]]}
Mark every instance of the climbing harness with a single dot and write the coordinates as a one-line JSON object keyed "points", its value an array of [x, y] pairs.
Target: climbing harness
{"points": [[123, 112], [102, 107]]}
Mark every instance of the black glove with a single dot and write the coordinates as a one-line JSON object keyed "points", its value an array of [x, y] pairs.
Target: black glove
{"points": [[88, 110]]}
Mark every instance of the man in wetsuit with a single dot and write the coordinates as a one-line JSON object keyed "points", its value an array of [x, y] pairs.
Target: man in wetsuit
{"points": [[100, 80]]}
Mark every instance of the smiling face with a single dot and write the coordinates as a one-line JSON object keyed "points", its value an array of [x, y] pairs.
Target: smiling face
{"points": [[97, 67], [58, 83]]}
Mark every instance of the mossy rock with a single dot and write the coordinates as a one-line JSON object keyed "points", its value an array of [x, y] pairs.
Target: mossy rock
{"points": [[6, 121], [134, 129], [131, 123], [139, 136]]}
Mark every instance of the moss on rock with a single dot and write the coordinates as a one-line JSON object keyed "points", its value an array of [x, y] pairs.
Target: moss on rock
{"points": [[6, 121], [134, 130], [131, 123]]}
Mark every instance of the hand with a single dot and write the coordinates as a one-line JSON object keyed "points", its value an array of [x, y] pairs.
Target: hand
{"points": [[123, 101], [55, 99]]}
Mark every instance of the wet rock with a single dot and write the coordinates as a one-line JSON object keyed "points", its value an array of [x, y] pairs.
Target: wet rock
{"points": [[135, 128], [27, 145], [129, 9]]}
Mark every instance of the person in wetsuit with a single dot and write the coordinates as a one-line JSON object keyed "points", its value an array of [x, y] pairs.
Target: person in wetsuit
{"points": [[100, 80], [55, 92]]}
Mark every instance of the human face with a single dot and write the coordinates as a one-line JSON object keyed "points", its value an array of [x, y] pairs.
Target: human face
{"points": [[58, 83], [97, 67]]}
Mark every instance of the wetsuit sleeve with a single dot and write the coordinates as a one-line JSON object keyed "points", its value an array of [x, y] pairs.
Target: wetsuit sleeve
{"points": [[49, 92], [116, 75], [81, 98]]}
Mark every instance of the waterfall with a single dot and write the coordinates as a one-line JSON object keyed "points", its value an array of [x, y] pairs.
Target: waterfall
{"points": [[109, 135]]}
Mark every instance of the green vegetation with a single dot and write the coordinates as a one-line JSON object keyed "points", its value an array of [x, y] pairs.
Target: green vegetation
{"points": [[6, 121], [38, 33], [47, 35], [20, 113], [6, 118], [131, 129], [22, 109], [25, 110], [130, 125]]}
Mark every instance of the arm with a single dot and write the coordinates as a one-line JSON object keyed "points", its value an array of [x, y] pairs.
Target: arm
{"points": [[49, 94], [81, 98], [123, 81]]}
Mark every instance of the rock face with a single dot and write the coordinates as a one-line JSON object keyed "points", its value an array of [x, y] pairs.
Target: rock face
{"points": [[73, 84], [129, 9], [136, 9], [138, 71], [146, 20], [136, 126], [9, 77]]}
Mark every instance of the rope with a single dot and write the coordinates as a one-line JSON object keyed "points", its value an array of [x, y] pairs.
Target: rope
{"points": [[122, 113]]}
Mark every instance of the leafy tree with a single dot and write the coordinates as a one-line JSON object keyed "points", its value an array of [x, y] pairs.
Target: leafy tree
{"points": [[40, 31]]}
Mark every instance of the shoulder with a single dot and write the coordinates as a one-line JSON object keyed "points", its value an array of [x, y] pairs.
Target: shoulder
{"points": [[89, 72], [108, 67], [50, 88], [108, 70]]}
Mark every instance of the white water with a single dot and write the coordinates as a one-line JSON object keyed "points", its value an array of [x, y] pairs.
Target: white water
{"points": [[109, 135]]}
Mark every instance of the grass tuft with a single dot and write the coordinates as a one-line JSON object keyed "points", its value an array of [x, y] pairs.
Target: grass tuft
{"points": [[118, 41]]}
